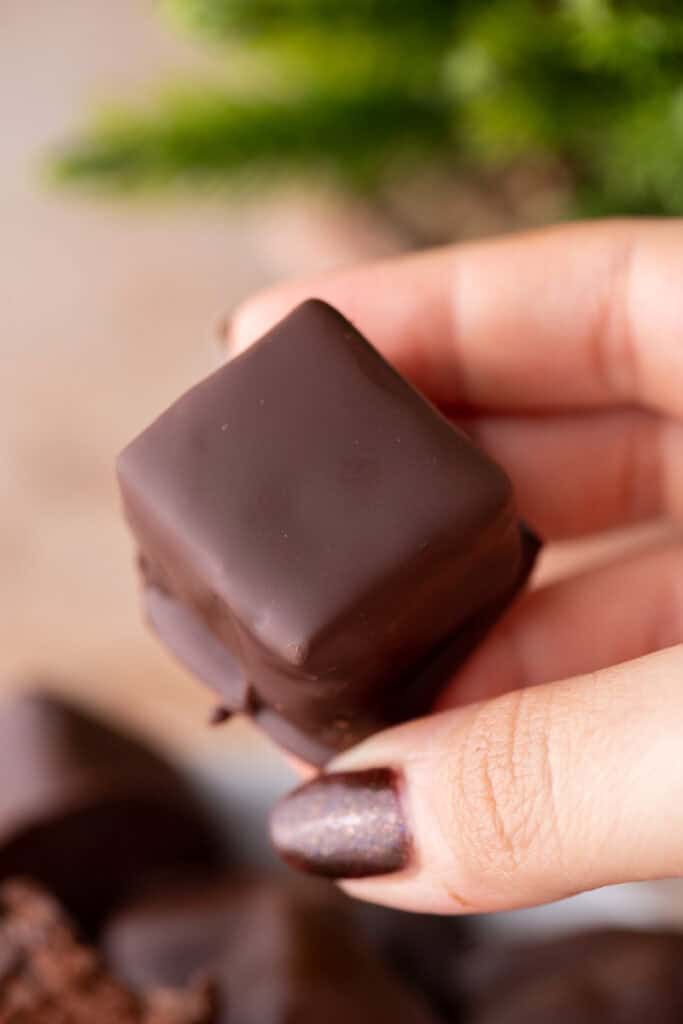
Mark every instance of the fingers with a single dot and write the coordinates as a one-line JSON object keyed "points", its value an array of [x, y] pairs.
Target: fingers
{"points": [[580, 473], [580, 315], [608, 615], [536, 795], [572, 557]]}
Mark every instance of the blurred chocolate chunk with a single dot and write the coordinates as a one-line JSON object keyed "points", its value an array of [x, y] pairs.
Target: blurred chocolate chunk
{"points": [[425, 950], [318, 543], [47, 977], [88, 812], [601, 977], [275, 953]]}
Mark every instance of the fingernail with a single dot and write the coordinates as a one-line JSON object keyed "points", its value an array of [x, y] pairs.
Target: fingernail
{"points": [[343, 825]]}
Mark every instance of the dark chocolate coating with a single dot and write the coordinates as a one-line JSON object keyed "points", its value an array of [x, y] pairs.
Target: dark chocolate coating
{"points": [[88, 812], [602, 977], [314, 532], [275, 953]]}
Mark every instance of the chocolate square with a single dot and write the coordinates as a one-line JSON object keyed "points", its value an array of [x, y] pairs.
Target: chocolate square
{"points": [[312, 531]]}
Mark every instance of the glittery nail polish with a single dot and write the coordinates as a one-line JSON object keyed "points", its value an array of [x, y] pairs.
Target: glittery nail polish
{"points": [[343, 825]]}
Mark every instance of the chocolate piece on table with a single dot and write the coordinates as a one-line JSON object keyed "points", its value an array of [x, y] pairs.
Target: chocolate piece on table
{"points": [[422, 949], [46, 977], [601, 977], [87, 811], [273, 952], [318, 543]]}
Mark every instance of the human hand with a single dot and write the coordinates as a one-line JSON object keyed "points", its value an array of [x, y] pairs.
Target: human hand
{"points": [[562, 354]]}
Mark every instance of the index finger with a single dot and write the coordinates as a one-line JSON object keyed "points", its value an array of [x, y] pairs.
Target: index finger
{"points": [[582, 315]]}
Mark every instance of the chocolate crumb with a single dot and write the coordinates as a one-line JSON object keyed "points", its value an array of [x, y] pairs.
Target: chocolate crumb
{"points": [[47, 977]]}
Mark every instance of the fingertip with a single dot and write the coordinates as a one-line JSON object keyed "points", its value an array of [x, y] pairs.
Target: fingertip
{"points": [[414, 890], [253, 317]]}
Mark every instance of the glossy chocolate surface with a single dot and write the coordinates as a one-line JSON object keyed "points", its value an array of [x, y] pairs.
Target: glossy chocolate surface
{"points": [[314, 533]]}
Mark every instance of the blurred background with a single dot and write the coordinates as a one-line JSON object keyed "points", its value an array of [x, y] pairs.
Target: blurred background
{"points": [[159, 161]]}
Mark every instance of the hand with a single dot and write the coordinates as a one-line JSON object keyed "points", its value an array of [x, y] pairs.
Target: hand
{"points": [[564, 351]]}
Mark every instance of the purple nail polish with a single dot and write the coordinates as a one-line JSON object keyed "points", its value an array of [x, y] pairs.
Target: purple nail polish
{"points": [[343, 825]]}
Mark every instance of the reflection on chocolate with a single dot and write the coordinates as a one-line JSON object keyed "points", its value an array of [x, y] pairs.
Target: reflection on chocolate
{"points": [[274, 953], [88, 811], [318, 543]]}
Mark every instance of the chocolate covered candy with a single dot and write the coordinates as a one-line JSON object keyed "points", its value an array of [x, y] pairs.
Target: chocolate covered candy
{"points": [[318, 543], [272, 953], [89, 812]]}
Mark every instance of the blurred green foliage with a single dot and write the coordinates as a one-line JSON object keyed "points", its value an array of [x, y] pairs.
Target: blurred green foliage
{"points": [[361, 90]]}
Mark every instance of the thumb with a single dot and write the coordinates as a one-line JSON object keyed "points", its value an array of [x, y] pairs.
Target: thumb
{"points": [[517, 801]]}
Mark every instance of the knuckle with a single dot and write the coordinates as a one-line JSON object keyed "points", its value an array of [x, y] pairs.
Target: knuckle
{"points": [[615, 336], [504, 791]]}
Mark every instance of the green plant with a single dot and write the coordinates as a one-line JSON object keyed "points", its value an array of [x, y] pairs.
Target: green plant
{"points": [[365, 91]]}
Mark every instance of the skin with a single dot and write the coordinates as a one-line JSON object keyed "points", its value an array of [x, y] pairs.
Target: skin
{"points": [[553, 763]]}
